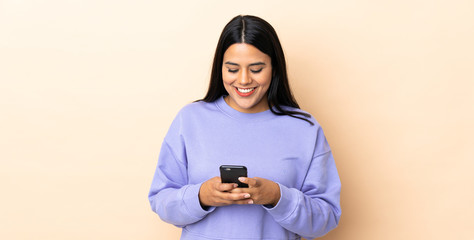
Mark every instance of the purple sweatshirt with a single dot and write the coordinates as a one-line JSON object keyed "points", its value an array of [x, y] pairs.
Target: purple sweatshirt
{"points": [[283, 149]]}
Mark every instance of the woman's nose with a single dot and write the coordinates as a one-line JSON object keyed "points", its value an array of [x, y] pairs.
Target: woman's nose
{"points": [[244, 78]]}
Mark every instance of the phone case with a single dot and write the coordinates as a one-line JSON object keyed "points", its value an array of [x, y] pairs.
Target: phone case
{"points": [[231, 173]]}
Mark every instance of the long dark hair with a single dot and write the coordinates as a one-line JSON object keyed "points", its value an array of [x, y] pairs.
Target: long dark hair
{"points": [[259, 33]]}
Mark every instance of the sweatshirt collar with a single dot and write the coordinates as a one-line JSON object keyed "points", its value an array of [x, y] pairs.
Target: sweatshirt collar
{"points": [[231, 112]]}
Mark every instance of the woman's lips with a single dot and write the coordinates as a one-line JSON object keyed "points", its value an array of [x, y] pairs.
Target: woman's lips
{"points": [[244, 92]]}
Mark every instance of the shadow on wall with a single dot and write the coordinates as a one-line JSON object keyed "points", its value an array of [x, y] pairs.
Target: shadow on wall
{"points": [[318, 92]]}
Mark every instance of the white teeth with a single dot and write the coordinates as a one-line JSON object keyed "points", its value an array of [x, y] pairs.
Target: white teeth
{"points": [[245, 90]]}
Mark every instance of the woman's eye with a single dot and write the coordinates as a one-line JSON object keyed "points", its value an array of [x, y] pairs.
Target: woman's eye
{"points": [[256, 71], [233, 70]]}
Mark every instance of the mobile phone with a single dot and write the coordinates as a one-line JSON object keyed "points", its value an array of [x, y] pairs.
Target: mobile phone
{"points": [[231, 174]]}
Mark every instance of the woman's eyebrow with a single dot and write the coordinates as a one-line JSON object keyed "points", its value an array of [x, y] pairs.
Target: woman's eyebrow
{"points": [[252, 64], [256, 64], [231, 63]]}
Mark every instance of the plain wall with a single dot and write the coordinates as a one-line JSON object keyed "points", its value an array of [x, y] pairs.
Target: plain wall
{"points": [[88, 90]]}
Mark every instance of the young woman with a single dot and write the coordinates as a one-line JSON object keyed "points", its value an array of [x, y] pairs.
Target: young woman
{"points": [[248, 117]]}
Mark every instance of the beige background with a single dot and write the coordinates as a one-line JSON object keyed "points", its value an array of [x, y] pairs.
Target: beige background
{"points": [[89, 88]]}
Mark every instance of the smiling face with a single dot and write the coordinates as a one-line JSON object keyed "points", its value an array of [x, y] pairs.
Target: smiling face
{"points": [[247, 73]]}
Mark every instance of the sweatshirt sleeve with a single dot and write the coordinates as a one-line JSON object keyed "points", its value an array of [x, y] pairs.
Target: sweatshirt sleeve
{"points": [[170, 196], [313, 210]]}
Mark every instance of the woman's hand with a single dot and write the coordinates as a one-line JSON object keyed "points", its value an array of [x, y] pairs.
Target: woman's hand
{"points": [[215, 193], [261, 190]]}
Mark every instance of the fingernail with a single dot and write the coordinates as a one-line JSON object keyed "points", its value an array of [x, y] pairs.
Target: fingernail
{"points": [[251, 202], [236, 185], [241, 179], [246, 195]]}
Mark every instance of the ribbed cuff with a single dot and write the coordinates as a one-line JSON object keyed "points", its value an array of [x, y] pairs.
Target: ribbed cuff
{"points": [[191, 202], [287, 204]]}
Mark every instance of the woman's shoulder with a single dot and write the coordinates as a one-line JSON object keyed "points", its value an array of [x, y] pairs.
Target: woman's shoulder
{"points": [[297, 112], [197, 107], [191, 113]]}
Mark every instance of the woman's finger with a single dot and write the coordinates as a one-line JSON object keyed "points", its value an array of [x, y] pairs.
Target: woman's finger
{"points": [[225, 187], [243, 202], [252, 182], [233, 196]]}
